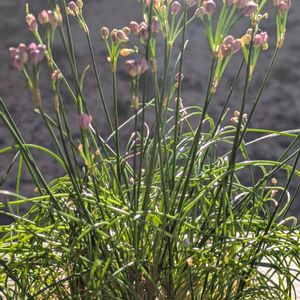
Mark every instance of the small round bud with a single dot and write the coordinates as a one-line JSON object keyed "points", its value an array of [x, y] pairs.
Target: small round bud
{"points": [[31, 22], [85, 121], [104, 32], [126, 52], [43, 17], [134, 27]]}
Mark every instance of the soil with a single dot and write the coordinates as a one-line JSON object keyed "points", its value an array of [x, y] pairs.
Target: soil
{"points": [[279, 108]]}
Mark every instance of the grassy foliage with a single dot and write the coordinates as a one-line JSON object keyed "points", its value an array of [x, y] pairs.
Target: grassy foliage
{"points": [[183, 212]]}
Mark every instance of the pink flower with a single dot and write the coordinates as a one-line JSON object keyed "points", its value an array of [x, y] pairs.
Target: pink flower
{"points": [[261, 39], [31, 22], [43, 17], [85, 121], [175, 7], [284, 6], [36, 53], [229, 46], [208, 6], [250, 8], [155, 25], [134, 27], [136, 67], [143, 31], [104, 32], [18, 56]]}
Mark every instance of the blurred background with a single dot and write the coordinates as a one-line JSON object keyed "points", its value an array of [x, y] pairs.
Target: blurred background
{"points": [[279, 108]]}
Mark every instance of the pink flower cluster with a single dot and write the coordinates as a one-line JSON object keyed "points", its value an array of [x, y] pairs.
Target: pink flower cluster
{"points": [[247, 7], [261, 39], [22, 54], [136, 68], [49, 16], [141, 30], [158, 3], [229, 46], [282, 5]]}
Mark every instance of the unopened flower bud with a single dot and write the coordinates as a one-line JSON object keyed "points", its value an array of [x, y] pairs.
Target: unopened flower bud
{"points": [[143, 31], [85, 121], [179, 76], [136, 68], [113, 35], [57, 17], [73, 9], [22, 52], [134, 27], [175, 7], [208, 6], [121, 36], [155, 26], [250, 8], [126, 52], [79, 4], [56, 75], [236, 46], [34, 57], [274, 181], [126, 30], [31, 22], [104, 32], [43, 17]]}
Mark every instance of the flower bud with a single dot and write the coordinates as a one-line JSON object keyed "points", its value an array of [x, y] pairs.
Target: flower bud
{"points": [[85, 121], [31, 22], [121, 36], [72, 9], [43, 17], [250, 8], [57, 17], [126, 30], [104, 32], [179, 76], [113, 35], [79, 4], [126, 52], [155, 25], [143, 31], [236, 46], [284, 6], [56, 75], [175, 7], [136, 68], [34, 57], [134, 27], [23, 55], [208, 6]]}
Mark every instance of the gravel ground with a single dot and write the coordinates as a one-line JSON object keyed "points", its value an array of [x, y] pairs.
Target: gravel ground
{"points": [[279, 108]]}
